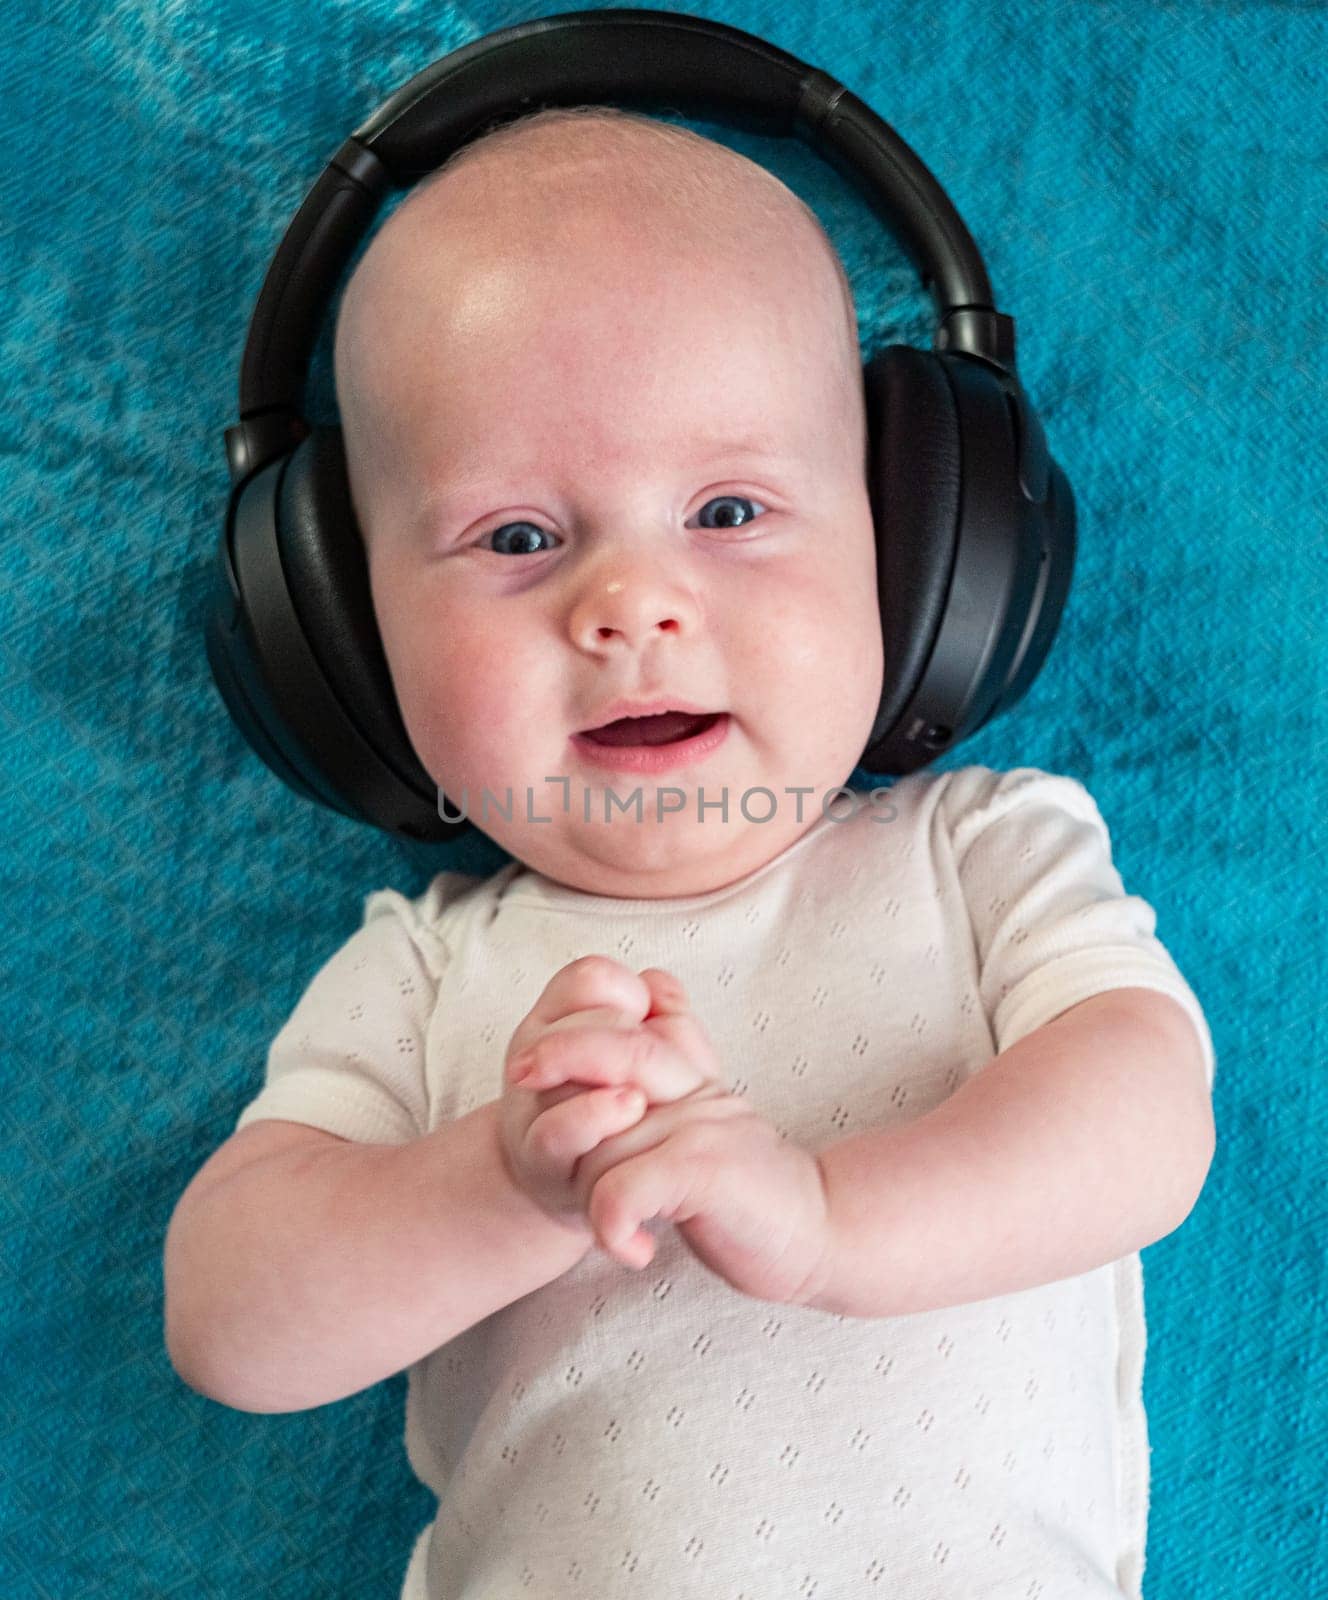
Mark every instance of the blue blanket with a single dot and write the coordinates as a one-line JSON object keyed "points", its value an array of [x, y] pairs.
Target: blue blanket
{"points": [[1149, 185]]}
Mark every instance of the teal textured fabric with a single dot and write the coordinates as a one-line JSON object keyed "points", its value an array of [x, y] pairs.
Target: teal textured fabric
{"points": [[1148, 183]]}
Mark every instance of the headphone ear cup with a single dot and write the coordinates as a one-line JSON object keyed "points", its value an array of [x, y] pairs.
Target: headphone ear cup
{"points": [[975, 542], [913, 480], [327, 572], [327, 575], [294, 648]]}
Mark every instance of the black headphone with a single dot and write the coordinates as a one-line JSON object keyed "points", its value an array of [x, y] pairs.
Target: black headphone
{"points": [[975, 524]]}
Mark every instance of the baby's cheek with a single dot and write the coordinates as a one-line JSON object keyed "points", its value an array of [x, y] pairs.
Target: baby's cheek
{"points": [[436, 721], [486, 733]]}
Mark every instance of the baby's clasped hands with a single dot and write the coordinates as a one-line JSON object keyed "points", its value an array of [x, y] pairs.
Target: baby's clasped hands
{"points": [[748, 1203], [599, 1044]]}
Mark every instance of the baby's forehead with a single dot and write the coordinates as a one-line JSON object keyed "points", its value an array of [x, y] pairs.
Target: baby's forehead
{"points": [[591, 235], [628, 194], [621, 304]]}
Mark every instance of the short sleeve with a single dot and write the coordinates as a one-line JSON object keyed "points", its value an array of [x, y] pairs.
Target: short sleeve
{"points": [[350, 1058], [1051, 919]]}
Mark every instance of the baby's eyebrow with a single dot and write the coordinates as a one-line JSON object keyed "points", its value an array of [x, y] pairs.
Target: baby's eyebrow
{"points": [[753, 445]]}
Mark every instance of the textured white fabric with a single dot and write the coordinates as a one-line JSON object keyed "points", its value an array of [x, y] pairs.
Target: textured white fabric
{"points": [[657, 1434]]}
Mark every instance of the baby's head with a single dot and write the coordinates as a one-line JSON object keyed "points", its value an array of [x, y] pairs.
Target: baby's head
{"points": [[602, 402]]}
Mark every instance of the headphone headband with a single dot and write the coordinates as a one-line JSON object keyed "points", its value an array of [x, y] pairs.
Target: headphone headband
{"points": [[639, 59]]}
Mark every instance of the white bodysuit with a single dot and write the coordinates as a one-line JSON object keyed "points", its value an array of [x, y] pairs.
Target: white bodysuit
{"points": [[656, 1434]]}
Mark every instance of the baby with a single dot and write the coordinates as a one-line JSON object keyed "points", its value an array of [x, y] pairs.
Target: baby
{"points": [[751, 1174]]}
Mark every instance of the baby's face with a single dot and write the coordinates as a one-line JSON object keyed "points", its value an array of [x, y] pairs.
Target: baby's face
{"points": [[626, 479]]}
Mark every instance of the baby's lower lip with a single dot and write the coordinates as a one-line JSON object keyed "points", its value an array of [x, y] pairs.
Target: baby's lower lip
{"points": [[654, 757]]}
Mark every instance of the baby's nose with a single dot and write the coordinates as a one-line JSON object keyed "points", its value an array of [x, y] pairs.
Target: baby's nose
{"points": [[631, 601]]}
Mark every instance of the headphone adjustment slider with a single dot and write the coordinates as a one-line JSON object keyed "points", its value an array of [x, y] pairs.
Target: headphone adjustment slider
{"points": [[979, 331], [254, 441]]}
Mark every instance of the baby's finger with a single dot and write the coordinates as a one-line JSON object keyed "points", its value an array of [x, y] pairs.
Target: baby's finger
{"points": [[586, 984], [520, 1058], [558, 1138], [606, 1056], [671, 1016], [658, 1183], [601, 1020], [683, 1033], [666, 992]]}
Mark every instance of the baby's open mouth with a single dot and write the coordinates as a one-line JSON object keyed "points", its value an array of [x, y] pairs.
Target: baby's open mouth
{"points": [[666, 727]]}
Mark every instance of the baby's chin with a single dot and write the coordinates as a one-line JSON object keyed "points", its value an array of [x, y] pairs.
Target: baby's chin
{"points": [[647, 859]]}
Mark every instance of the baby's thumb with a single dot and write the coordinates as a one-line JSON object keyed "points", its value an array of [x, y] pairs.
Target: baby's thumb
{"points": [[667, 995]]}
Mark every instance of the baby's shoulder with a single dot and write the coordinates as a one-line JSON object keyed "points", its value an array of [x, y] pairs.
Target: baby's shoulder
{"points": [[929, 811], [978, 795], [439, 918]]}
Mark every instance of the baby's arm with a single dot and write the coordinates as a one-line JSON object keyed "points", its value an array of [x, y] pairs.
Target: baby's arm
{"points": [[323, 1265], [301, 1267], [1086, 1140]]}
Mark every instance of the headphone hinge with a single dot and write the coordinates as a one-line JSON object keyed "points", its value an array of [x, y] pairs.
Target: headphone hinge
{"points": [[979, 331], [254, 441]]}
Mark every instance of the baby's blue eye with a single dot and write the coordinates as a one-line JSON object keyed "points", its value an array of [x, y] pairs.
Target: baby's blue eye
{"points": [[528, 533], [527, 529], [732, 500]]}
